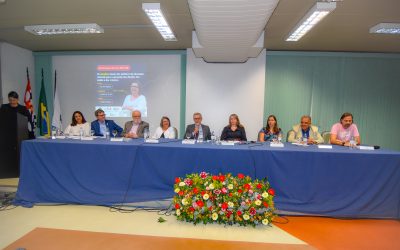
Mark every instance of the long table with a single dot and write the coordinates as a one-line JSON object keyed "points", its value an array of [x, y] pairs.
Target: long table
{"points": [[339, 182]]}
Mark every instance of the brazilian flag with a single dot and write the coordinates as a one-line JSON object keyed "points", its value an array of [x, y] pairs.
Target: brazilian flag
{"points": [[43, 113]]}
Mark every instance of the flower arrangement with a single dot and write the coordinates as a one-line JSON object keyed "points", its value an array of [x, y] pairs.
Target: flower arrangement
{"points": [[223, 199]]}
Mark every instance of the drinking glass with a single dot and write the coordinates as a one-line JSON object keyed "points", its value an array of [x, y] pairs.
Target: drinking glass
{"points": [[114, 132], [92, 133]]}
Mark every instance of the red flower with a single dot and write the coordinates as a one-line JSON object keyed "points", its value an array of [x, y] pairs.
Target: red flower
{"points": [[210, 208], [265, 204], [215, 177], [177, 180], [222, 178], [177, 206], [191, 209], [271, 191], [259, 186], [203, 175], [203, 193], [180, 193], [239, 213], [259, 196], [228, 214], [230, 194], [247, 186], [240, 191], [224, 206], [195, 191], [224, 190], [200, 203], [240, 176], [253, 211], [189, 182]]}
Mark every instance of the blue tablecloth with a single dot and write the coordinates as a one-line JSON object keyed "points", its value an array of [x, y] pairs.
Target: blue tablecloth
{"points": [[332, 182]]}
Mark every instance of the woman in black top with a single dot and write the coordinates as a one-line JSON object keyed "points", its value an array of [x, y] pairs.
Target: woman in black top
{"points": [[234, 131]]}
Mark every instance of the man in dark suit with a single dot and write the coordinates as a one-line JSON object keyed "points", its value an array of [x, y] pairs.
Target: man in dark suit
{"points": [[136, 127], [194, 130], [100, 125]]}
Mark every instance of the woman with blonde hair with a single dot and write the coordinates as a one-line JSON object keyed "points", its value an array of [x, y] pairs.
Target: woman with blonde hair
{"points": [[234, 131]]}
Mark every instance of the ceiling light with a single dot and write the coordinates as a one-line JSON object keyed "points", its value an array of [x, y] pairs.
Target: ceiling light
{"points": [[153, 11], [313, 16], [386, 28], [61, 29]]}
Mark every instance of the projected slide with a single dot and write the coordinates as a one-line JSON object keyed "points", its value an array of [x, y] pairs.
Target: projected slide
{"points": [[119, 89]]}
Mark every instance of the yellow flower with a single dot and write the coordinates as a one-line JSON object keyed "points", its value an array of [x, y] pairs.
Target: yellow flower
{"points": [[265, 221], [258, 202], [177, 190], [181, 184], [184, 202], [206, 196], [246, 217], [230, 186], [214, 216], [230, 204], [264, 195], [211, 186], [178, 212]]}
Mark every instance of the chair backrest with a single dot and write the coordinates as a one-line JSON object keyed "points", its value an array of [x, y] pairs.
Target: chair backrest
{"points": [[176, 133], [326, 135], [288, 133]]}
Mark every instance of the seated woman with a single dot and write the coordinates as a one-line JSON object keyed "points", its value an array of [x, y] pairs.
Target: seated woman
{"points": [[78, 122], [271, 130], [165, 130], [234, 131]]}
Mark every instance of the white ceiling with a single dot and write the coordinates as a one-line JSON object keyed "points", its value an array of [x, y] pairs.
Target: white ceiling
{"points": [[127, 28]]}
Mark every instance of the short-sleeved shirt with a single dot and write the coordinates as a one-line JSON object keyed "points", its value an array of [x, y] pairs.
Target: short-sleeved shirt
{"points": [[344, 134]]}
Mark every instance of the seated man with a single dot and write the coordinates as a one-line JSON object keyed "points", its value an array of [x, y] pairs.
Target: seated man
{"points": [[305, 130], [341, 133], [101, 124], [194, 130], [136, 127]]}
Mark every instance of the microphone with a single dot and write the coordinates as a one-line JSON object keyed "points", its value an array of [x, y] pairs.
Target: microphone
{"points": [[376, 147]]}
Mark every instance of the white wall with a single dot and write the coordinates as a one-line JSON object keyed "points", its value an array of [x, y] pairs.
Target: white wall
{"points": [[216, 90], [14, 61]]}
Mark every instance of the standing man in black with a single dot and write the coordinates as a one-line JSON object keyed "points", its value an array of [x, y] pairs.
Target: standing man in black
{"points": [[10, 137]]}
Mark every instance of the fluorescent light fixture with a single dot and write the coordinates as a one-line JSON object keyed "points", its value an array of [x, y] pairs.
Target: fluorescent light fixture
{"points": [[62, 29], [153, 11], [313, 16], [386, 28]]}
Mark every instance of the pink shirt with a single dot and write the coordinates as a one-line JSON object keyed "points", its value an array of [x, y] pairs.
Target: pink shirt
{"points": [[344, 134], [134, 128]]}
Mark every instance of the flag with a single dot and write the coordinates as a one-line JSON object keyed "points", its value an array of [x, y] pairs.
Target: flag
{"points": [[29, 105], [57, 120], [43, 114]]}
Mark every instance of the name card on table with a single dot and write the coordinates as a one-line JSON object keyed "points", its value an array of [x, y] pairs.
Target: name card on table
{"points": [[87, 138], [188, 141], [117, 139], [151, 141], [276, 145], [325, 146], [366, 147], [228, 143]]}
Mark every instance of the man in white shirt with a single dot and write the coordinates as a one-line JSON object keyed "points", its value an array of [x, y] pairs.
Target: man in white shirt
{"points": [[136, 127]]}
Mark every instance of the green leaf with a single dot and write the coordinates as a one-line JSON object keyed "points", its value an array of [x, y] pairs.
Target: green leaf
{"points": [[161, 220]]}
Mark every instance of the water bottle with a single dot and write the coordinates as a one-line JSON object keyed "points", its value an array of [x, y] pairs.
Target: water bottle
{"points": [[280, 138], [200, 138], [305, 140], [107, 133], [146, 133], [352, 142], [213, 137], [81, 133]]}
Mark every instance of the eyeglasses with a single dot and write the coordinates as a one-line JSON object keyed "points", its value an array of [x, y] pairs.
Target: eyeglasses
{"points": [[196, 118], [136, 116]]}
